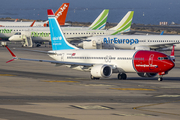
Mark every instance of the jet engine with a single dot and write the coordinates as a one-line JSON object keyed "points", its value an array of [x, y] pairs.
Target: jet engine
{"points": [[90, 44], [101, 71], [147, 74]]}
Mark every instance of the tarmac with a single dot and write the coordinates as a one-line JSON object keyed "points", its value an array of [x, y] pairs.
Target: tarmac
{"points": [[41, 91]]}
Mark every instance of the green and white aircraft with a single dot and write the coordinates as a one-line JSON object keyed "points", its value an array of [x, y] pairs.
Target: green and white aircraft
{"points": [[43, 35]]}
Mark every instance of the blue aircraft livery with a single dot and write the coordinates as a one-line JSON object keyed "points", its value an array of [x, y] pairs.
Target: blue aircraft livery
{"points": [[120, 41]]}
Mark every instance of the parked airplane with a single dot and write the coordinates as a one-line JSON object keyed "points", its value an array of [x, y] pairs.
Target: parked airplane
{"points": [[137, 42], [44, 35], [20, 32], [98, 24], [102, 63], [60, 14]]}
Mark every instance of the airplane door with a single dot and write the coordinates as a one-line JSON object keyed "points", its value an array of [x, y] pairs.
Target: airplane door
{"points": [[62, 57]]}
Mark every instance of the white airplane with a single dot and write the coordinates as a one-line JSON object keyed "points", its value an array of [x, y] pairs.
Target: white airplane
{"points": [[102, 63], [6, 32], [60, 14], [77, 34], [98, 24], [137, 42]]}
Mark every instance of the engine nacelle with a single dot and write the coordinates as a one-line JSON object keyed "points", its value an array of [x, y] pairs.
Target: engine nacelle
{"points": [[89, 44], [147, 74], [101, 71]]}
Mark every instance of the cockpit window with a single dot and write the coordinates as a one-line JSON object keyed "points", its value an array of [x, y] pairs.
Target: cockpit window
{"points": [[18, 33], [164, 58]]}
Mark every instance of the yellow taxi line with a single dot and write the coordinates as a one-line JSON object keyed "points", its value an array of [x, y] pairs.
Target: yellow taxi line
{"points": [[133, 89], [6, 75], [61, 81]]}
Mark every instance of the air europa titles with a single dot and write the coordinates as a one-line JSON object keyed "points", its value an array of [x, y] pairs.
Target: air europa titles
{"points": [[120, 41], [62, 10]]}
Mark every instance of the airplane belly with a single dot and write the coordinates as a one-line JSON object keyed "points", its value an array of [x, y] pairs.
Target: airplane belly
{"points": [[123, 46], [41, 39], [126, 66]]}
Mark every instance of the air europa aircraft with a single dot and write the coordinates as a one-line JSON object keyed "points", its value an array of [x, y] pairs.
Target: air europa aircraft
{"points": [[77, 34], [102, 63], [60, 14], [137, 42]]}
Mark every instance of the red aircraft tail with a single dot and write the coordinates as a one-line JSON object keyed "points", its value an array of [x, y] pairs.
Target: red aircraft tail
{"points": [[61, 14]]}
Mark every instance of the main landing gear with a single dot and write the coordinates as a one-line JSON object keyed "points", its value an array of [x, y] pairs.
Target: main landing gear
{"points": [[94, 78], [122, 76]]}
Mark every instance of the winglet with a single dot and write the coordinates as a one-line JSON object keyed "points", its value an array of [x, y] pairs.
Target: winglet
{"points": [[14, 56], [162, 33], [16, 20], [172, 54], [32, 23]]}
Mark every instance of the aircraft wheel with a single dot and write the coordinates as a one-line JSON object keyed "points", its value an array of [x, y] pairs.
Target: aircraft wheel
{"points": [[119, 76], [160, 79], [122, 76], [94, 78]]}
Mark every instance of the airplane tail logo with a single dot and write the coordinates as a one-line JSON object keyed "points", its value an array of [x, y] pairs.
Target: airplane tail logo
{"points": [[60, 14], [100, 21], [58, 40], [124, 25]]}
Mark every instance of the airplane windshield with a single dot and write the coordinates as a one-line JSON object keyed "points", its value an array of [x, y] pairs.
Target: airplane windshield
{"points": [[18, 33], [164, 58]]}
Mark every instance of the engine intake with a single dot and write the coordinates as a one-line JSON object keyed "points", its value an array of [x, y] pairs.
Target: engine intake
{"points": [[101, 71]]}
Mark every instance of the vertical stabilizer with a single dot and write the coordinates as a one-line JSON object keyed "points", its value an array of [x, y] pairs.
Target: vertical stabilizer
{"points": [[58, 40], [124, 25], [60, 14], [100, 21]]}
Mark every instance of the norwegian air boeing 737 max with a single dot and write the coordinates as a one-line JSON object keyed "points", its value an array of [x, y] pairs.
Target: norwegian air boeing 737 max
{"points": [[102, 63]]}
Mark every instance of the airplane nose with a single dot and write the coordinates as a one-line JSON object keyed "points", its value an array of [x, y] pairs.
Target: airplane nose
{"points": [[10, 38], [169, 65]]}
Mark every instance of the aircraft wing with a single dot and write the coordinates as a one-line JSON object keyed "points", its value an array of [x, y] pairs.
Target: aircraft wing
{"points": [[59, 62], [49, 61], [158, 46]]}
